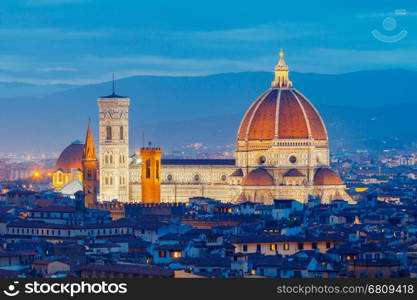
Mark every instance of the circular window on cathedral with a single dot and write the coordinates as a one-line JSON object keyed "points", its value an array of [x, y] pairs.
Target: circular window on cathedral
{"points": [[169, 177], [223, 178], [262, 160], [293, 159], [197, 177]]}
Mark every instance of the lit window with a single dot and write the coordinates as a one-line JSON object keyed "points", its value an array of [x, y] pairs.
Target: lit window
{"points": [[176, 254], [272, 247], [286, 246]]}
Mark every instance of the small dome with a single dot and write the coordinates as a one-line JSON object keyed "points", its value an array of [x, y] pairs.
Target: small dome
{"points": [[326, 176], [71, 157], [237, 173], [293, 173], [258, 177]]}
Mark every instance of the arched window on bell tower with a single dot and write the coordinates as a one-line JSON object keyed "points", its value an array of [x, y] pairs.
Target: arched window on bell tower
{"points": [[108, 133], [122, 133]]}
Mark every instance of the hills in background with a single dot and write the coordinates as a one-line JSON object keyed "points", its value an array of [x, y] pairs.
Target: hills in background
{"points": [[372, 109]]}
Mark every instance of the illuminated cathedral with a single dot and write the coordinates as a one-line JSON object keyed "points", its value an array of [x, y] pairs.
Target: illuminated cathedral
{"points": [[282, 152]]}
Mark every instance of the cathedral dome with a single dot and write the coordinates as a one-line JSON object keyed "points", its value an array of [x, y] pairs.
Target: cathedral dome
{"points": [[281, 112], [258, 177], [326, 176], [71, 157]]}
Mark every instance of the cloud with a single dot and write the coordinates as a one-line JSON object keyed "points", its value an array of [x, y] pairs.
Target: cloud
{"points": [[57, 69], [52, 33], [394, 13], [333, 61], [52, 2]]}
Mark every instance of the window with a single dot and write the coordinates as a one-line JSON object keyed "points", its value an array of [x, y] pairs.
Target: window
{"points": [[300, 246], [106, 159], [162, 253], [148, 168], [111, 158], [89, 174], [286, 246], [60, 177], [121, 133], [169, 177], [314, 246], [328, 245], [258, 248], [273, 247], [111, 180], [108, 133], [176, 254], [157, 169], [293, 159], [197, 177], [223, 178], [245, 248], [106, 180], [262, 160]]}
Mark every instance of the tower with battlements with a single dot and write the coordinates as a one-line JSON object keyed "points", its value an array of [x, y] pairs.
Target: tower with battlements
{"points": [[151, 174]]}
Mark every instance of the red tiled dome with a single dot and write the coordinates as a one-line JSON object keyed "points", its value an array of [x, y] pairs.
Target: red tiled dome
{"points": [[71, 157], [281, 113], [258, 177], [326, 176], [293, 173]]}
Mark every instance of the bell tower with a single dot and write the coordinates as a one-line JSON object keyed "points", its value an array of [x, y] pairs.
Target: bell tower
{"points": [[151, 174], [90, 169], [114, 147]]}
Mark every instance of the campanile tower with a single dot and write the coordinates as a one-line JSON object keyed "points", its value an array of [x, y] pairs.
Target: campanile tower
{"points": [[89, 164], [114, 147]]}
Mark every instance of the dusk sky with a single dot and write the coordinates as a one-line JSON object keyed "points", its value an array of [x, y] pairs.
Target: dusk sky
{"points": [[84, 41]]}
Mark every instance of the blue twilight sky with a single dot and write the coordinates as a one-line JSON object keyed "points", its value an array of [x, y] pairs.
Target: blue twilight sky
{"points": [[83, 41]]}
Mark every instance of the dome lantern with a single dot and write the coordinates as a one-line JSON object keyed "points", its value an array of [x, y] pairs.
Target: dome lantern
{"points": [[281, 73]]}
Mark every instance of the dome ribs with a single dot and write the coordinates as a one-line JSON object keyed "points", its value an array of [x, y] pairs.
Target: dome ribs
{"points": [[318, 130], [292, 123], [262, 126]]}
